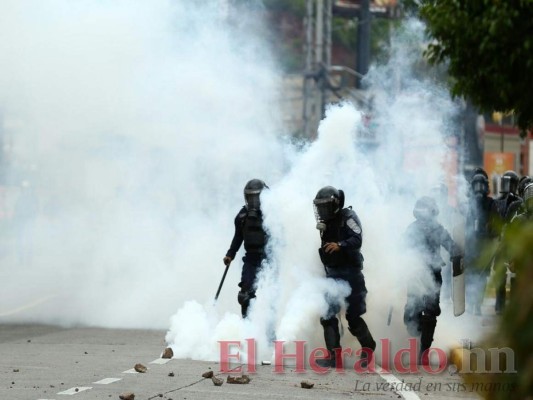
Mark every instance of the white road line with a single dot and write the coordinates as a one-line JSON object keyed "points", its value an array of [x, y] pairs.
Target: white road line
{"points": [[130, 371], [75, 390], [27, 306], [160, 361], [390, 378], [107, 381]]}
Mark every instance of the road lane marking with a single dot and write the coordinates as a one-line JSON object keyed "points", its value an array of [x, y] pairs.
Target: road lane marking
{"points": [[27, 306], [130, 371], [75, 390], [160, 361], [107, 381], [391, 379]]}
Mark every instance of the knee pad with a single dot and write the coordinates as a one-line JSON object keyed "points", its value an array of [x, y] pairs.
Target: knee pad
{"points": [[244, 297], [357, 326], [428, 321], [329, 322]]}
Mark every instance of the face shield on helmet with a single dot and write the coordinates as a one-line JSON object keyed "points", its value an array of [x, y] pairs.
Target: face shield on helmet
{"points": [[509, 182], [252, 194], [326, 204], [253, 200], [528, 198], [524, 182], [505, 184], [480, 185], [425, 209]]}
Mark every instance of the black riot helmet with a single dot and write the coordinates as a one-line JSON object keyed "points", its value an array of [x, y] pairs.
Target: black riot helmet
{"points": [[480, 185], [252, 192], [528, 198], [524, 181], [509, 182], [478, 171], [327, 203], [425, 209]]}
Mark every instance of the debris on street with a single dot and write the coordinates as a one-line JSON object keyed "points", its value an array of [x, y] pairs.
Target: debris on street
{"points": [[140, 368], [243, 380], [306, 385], [168, 353]]}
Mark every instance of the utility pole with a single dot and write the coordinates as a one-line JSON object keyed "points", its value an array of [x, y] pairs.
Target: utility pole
{"points": [[363, 40], [317, 63]]}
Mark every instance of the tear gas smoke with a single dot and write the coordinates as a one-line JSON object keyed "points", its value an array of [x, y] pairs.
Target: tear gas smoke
{"points": [[138, 125], [413, 121]]}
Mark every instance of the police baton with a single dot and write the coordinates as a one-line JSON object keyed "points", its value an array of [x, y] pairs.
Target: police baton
{"points": [[389, 317], [221, 282]]}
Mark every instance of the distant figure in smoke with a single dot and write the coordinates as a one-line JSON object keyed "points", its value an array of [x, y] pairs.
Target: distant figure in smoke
{"points": [[525, 216], [249, 229], [426, 236], [507, 205], [26, 208], [518, 207], [480, 229], [340, 252]]}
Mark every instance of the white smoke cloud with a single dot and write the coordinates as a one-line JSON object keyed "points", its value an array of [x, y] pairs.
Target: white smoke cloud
{"points": [[138, 124]]}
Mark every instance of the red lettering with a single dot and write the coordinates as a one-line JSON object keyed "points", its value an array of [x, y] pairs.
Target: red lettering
{"points": [[225, 355], [411, 350], [279, 356]]}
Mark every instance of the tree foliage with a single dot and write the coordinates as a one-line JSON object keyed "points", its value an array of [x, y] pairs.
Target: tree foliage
{"points": [[488, 45]]}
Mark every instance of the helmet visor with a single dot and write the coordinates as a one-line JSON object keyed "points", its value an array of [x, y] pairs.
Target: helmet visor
{"points": [[528, 197], [325, 209], [479, 187], [252, 200], [506, 184]]}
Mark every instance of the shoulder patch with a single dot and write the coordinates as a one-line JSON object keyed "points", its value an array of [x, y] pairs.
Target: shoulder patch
{"points": [[354, 226]]}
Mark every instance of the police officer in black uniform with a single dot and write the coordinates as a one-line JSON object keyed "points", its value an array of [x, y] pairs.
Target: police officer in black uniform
{"points": [[249, 229], [340, 252], [426, 236], [508, 204], [480, 228]]}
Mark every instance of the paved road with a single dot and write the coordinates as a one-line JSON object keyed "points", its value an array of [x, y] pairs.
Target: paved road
{"points": [[48, 362]]}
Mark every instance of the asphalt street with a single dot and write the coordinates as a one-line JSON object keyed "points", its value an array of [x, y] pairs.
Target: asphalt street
{"points": [[48, 362]]}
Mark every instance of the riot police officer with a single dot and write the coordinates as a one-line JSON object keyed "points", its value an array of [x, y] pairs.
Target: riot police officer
{"points": [[508, 204], [480, 228], [341, 239], [426, 236], [249, 229]]}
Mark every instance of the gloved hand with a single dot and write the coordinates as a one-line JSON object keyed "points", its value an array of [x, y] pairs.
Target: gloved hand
{"points": [[227, 260], [331, 247]]}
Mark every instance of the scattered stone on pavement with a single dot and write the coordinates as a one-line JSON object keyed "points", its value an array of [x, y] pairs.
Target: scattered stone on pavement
{"points": [[140, 368], [216, 381], [171, 374], [127, 396], [208, 374], [168, 353], [243, 380], [306, 385]]}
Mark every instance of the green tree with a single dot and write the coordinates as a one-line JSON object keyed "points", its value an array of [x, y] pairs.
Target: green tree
{"points": [[488, 45]]}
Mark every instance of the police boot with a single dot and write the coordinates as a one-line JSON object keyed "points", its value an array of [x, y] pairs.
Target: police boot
{"points": [[332, 338], [360, 330], [427, 325], [244, 298]]}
